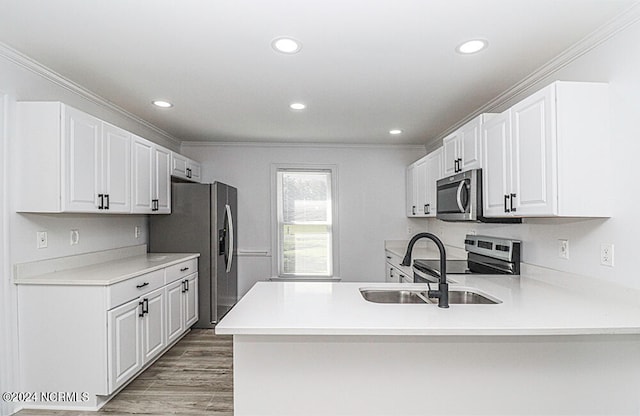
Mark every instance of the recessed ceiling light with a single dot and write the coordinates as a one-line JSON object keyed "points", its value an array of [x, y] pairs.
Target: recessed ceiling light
{"points": [[472, 46], [286, 45], [162, 104], [395, 131], [297, 106]]}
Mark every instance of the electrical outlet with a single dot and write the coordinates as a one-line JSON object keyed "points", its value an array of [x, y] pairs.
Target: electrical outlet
{"points": [[563, 249], [136, 231], [74, 237], [606, 254], [41, 239]]}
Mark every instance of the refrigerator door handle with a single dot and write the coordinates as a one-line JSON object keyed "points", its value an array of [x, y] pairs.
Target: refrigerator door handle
{"points": [[230, 255]]}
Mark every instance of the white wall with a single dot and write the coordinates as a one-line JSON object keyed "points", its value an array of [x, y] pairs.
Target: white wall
{"points": [[616, 61], [370, 192]]}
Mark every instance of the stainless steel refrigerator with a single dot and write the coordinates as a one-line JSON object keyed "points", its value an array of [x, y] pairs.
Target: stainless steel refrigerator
{"points": [[203, 220]]}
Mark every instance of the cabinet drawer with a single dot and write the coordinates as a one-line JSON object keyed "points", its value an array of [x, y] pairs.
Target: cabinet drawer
{"points": [[132, 288], [181, 270]]}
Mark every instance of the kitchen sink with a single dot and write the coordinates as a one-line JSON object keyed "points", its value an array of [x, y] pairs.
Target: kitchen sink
{"points": [[394, 295], [467, 297], [456, 296]]}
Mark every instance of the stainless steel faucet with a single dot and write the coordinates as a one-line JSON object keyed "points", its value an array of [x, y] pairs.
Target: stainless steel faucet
{"points": [[443, 287]]}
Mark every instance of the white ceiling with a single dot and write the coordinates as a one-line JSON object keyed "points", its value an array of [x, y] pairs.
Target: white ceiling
{"points": [[366, 65]]}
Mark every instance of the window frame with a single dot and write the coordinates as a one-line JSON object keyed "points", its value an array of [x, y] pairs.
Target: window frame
{"points": [[275, 234]]}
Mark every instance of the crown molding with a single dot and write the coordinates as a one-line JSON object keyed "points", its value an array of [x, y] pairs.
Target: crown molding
{"points": [[305, 145], [605, 32], [37, 68]]}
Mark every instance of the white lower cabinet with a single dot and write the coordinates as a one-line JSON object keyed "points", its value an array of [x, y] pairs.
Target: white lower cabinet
{"points": [[394, 272], [96, 338], [124, 350], [175, 309], [153, 320], [182, 305]]}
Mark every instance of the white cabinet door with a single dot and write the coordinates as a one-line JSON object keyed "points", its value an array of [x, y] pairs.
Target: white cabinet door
{"points": [[162, 179], [411, 191], [178, 165], [195, 171], [184, 168], [83, 154], [142, 167], [388, 273], [124, 355], [450, 152], [470, 149], [175, 310], [533, 155], [420, 178], [191, 300], [496, 174], [434, 173], [154, 334], [116, 168]]}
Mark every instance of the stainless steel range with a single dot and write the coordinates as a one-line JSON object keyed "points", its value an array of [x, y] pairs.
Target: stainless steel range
{"points": [[485, 255]]}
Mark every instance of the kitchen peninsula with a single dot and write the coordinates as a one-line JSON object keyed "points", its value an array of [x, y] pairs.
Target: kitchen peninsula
{"points": [[550, 347]]}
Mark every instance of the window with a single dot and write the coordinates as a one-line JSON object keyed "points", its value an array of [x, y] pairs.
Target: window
{"points": [[305, 228]]}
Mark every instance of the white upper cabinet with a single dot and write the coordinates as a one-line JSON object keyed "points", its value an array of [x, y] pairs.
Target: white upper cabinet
{"points": [[116, 168], [82, 160], [151, 177], [184, 168], [162, 179], [451, 154], [92, 172], [421, 185], [411, 191], [548, 155], [434, 173], [462, 149]]}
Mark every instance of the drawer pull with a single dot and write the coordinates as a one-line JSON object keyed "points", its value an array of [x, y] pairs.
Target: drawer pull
{"points": [[142, 285], [141, 314], [145, 306], [184, 269]]}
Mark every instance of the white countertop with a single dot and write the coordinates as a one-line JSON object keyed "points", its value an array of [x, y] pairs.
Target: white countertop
{"points": [[530, 306], [109, 272]]}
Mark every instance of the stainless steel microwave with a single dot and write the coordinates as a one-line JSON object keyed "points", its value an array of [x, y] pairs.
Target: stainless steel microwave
{"points": [[459, 198]]}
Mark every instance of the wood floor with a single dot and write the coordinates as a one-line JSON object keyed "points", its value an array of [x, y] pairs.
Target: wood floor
{"points": [[195, 377]]}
